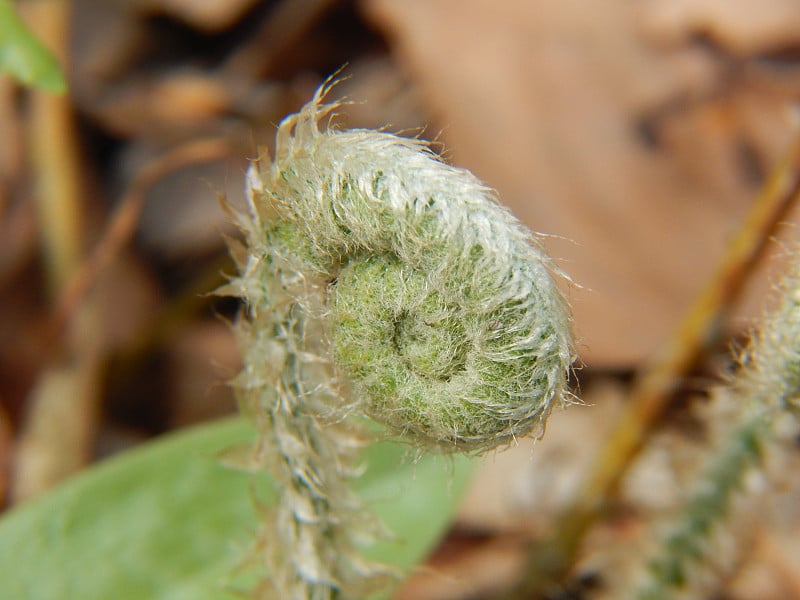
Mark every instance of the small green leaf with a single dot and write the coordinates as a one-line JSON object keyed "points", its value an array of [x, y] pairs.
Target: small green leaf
{"points": [[24, 57], [168, 521]]}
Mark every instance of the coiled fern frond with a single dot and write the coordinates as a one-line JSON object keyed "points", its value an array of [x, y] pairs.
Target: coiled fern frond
{"points": [[382, 282]]}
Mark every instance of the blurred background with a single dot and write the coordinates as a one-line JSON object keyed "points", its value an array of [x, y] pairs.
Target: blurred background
{"points": [[635, 135]]}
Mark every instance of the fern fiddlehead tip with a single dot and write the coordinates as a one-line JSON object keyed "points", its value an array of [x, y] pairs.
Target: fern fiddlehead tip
{"points": [[442, 316], [379, 281]]}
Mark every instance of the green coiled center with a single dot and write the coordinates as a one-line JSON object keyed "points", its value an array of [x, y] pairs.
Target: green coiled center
{"points": [[401, 345], [389, 329], [430, 343]]}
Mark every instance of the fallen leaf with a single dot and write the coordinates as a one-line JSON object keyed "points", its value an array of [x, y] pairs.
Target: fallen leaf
{"points": [[743, 27]]}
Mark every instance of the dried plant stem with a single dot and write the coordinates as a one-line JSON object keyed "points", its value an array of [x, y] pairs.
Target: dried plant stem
{"points": [[53, 145], [61, 413], [550, 559]]}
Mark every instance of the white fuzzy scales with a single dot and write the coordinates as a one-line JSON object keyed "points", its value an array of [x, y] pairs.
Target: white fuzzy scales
{"points": [[380, 281], [440, 314], [437, 308]]}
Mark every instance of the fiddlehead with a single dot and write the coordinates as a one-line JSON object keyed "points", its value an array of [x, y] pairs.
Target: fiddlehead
{"points": [[380, 281]]}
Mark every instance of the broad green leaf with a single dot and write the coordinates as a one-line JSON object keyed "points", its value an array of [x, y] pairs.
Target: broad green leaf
{"points": [[23, 56], [168, 521]]}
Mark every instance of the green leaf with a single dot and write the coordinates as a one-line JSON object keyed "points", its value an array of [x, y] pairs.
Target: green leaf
{"points": [[23, 56], [168, 521]]}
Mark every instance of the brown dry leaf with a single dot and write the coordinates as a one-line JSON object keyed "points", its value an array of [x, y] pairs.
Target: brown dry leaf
{"points": [[475, 570], [168, 106], [206, 15], [645, 156], [182, 98], [743, 27]]}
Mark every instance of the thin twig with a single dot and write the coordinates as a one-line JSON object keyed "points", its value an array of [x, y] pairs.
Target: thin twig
{"points": [[651, 394], [124, 220], [56, 438]]}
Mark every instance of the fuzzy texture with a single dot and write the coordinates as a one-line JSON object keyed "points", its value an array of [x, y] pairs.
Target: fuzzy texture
{"points": [[382, 282], [766, 388], [440, 310], [678, 570], [771, 370]]}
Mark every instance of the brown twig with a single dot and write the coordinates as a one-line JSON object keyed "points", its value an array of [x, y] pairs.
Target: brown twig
{"points": [[124, 220], [56, 438], [651, 394]]}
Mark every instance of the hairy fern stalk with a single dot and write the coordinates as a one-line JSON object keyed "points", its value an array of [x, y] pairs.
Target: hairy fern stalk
{"points": [[766, 389], [379, 282]]}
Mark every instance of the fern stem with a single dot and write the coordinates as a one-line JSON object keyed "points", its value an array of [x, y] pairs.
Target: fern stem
{"points": [[381, 283]]}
